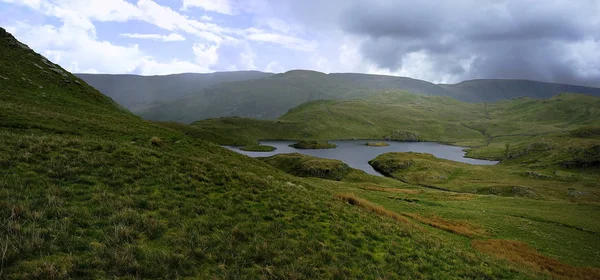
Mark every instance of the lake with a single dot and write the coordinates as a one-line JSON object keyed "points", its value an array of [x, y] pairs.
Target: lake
{"points": [[357, 155]]}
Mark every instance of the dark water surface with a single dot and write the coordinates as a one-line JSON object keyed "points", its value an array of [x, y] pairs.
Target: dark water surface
{"points": [[357, 155]]}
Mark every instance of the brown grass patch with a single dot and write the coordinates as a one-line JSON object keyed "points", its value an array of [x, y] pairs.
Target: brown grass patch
{"points": [[459, 227], [377, 209], [522, 254], [392, 190]]}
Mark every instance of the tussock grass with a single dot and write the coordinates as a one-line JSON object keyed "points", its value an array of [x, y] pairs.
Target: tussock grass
{"points": [[459, 227], [522, 254], [352, 199]]}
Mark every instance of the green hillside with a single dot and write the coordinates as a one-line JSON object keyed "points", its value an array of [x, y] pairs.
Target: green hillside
{"points": [[89, 190], [271, 97]]}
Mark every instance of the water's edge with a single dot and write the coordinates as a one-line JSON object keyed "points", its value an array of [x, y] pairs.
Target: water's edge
{"points": [[357, 155]]}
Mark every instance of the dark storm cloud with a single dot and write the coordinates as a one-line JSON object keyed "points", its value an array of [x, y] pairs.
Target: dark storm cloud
{"points": [[503, 39], [557, 40]]}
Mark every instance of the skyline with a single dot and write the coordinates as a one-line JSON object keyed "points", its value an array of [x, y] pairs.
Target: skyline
{"points": [[441, 42]]}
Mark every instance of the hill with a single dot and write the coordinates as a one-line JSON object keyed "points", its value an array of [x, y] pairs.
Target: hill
{"points": [[134, 91], [490, 90], [89, 190], [266, 98], [271, 97]]}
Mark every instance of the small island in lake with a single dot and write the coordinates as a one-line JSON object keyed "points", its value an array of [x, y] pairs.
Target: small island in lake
{"points": [[313, 145], [376, 144], [258, 148]]}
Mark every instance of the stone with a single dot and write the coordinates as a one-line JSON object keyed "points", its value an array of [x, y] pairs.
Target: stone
{"points": [[3, 78], [41, 68]]}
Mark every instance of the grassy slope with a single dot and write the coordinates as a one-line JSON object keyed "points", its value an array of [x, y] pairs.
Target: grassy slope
{"points": [[88, 190], [396, 115]]}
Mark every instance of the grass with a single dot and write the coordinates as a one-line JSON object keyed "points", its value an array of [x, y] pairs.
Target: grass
{"points": [[305, 144], [377, 144], [522, 254], [89, 190], [503, 179], [462, 227], [308, 166], [258, 148], [352, 199]]}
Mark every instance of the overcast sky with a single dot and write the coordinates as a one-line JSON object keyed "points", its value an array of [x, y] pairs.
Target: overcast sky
{"points": [[439, 41]]}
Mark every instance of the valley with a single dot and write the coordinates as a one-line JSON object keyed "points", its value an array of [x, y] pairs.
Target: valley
{"points": [[88, 189]]}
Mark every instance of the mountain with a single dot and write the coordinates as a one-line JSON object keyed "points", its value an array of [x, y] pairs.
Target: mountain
{"points": [[133, 91], [392, 82], [269, 98], [490, 90], [266, 98]]}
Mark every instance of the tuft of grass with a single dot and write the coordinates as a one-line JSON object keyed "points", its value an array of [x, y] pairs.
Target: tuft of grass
{"points": [[352, 199], [522, 254], [306, 144], [156, 141]]}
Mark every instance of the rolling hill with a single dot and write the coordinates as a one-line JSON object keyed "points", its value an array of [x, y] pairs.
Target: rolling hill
{"points": [[490, 90], [268, 98]]}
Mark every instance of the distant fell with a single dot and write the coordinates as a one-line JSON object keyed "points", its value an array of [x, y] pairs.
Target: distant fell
{"points": [[191, 97], [490, 90], [133, 91]]}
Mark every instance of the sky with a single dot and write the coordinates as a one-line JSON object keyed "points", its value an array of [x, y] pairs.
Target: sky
{"points": [[443, 41]]}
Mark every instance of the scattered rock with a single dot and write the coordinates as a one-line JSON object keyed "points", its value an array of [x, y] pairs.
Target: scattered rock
{"points": [[3, 78], [23, 46], [47, 62], [40, 87], [523, 191], [59, 72], [536, 175], [575, 193], [77, 82], [41, 68], [401, 135]]}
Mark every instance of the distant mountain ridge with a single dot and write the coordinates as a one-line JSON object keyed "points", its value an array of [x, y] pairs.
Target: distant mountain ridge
{"points": [[190, 97], [133, 91], [490, 90]]}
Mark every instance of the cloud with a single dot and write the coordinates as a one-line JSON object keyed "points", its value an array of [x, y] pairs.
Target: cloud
{"points": [[219, 6], [456, 40], [71, 45], [289, 42], [157, 37]]}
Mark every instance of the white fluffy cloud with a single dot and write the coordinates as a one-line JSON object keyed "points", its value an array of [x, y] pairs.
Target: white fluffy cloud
{"points": [[75, 44], [157, 37], [219, 6]]}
